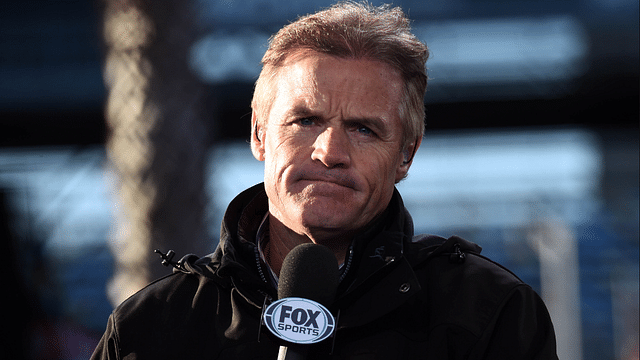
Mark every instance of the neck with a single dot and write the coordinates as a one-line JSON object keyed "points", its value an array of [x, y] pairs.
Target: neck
{"points": [[282, 240]]}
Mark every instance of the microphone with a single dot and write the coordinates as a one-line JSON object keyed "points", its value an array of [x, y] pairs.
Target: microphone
{"points": [[309, 272]]}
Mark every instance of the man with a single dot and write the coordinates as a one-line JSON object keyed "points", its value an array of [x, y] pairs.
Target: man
{"points": [[337, 118]]}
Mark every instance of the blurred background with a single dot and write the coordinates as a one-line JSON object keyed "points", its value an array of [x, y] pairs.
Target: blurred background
{"points": [[124, 127]]}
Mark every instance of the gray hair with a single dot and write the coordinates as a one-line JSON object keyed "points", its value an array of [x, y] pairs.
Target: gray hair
{"points": [[357, 31]]}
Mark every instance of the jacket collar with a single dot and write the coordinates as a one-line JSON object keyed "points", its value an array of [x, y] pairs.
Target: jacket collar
{"points": [[375, 264], [235, 260]]}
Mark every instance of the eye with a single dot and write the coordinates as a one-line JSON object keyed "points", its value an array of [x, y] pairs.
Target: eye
{"points": [[365, 130], [307, 121]]}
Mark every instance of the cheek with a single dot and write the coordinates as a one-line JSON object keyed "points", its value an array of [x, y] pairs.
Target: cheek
{"points": [[281, 154], [380, 166], [281, 143]]}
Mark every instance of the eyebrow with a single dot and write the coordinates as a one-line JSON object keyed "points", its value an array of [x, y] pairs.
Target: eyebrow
{"points": [[300, 110]]}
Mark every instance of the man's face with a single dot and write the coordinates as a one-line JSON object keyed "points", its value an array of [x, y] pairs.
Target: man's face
{"points": [[332, 143]]}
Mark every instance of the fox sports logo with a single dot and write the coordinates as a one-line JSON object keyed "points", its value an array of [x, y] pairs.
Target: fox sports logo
{"points": [[298, 320]]}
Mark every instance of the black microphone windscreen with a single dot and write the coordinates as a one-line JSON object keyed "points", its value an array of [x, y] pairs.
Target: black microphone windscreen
{"points": [[309, 271]]}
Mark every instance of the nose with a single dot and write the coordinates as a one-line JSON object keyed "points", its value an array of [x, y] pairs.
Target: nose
{"points": [[332, 148]]}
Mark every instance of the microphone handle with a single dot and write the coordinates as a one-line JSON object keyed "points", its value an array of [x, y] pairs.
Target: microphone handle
{"points": [[294, 352]]}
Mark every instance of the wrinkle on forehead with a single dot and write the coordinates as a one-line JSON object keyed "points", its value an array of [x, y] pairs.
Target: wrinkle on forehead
{"points": [[307, 72], [306, 79]]}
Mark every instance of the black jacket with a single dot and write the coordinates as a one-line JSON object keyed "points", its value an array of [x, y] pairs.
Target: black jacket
{"points": [[402, 297]]}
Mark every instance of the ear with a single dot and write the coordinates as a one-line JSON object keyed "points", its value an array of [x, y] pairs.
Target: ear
{"points": [[257, 138], [407, 158]]}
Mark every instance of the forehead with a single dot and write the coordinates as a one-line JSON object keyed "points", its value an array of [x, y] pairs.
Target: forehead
{"points": [[332, 83]]}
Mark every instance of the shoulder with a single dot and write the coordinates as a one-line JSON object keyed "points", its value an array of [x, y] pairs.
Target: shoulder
{"points": [[192, 281], [458, 261], [462, 287], [174, 313], [174, 288], [175, 294]]}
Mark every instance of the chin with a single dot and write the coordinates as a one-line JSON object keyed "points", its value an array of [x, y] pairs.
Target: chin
{"points": [[327, 218]]}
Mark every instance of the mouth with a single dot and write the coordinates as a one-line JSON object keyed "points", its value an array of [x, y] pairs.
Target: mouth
{"points": [[335, 179]]}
